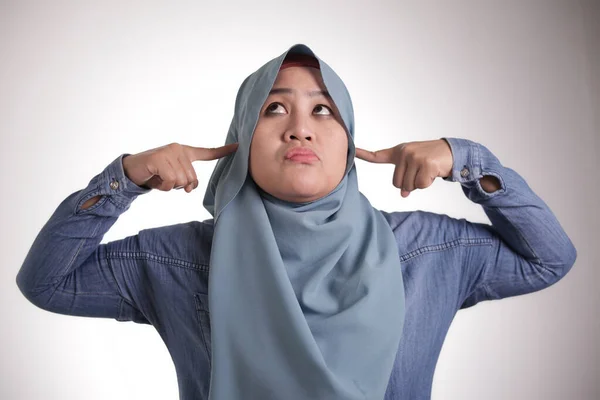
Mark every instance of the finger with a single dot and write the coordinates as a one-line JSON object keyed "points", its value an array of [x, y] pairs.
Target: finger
{"points": [[399, 173], [207, 154], [176, 171], [164, 177], [190, 173], [190, 187], [425, 177], [408, 182], [379, 156]]}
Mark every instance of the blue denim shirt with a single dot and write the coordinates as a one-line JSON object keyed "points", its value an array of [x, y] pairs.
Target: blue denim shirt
{"points": [[160, 276]]}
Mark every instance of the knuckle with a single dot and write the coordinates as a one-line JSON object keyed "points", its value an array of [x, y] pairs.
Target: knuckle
{"points": [[423, 182], [190, 172], [192, 175], [181, 178], [169, 177], [165, 186], [174, 147], [408, 150], [181, 183]]}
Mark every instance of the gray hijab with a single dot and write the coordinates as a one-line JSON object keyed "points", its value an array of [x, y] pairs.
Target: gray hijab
{"points": [[306, 300]]}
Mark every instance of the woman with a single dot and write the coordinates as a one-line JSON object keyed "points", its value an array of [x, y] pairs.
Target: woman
{"points": [[312, 293]]}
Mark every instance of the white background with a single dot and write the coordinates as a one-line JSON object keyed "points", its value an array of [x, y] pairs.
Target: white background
{"points": [[82, 82]]}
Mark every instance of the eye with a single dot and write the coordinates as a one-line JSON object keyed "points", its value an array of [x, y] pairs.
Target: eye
{"points": [[323, 107], [272, 107], [320, 109]]}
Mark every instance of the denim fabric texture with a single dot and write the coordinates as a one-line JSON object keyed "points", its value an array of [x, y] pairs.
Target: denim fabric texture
{"points": [[159, 277]]}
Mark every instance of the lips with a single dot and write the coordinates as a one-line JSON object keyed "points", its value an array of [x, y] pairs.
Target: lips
{"points": [[301, 153]]}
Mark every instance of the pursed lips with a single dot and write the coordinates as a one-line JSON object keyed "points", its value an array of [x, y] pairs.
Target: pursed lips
{"points": [[301, 154]]}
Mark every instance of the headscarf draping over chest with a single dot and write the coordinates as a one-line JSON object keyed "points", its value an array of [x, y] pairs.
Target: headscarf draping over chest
{"points": [[306, 300]]}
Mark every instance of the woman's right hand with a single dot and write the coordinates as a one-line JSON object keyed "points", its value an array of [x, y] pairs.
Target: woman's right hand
{"points": [[170, 166]]}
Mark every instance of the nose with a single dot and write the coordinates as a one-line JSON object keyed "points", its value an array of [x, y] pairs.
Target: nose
{"points": [[299, 128]]}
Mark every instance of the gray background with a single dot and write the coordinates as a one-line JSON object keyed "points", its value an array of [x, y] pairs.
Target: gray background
{"points": [[82, 82]]}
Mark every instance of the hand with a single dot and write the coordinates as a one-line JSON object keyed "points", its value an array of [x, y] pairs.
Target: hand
{"points": [[417, 163], [170, 166]]}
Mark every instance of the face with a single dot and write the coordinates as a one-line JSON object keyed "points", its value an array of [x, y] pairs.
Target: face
{"points": [[298, 114]]}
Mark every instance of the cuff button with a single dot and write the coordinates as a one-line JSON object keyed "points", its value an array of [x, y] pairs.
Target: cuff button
{"points": [[464, 172], [114, 185]]}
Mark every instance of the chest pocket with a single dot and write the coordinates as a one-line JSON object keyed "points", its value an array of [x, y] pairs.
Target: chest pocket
{"points": [[203, 315]]}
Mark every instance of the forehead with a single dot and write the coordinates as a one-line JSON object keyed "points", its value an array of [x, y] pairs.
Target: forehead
{"points": [[299, 77]]}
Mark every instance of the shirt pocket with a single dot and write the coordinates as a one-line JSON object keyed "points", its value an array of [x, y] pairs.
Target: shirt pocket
{"points": [[203, 316]]}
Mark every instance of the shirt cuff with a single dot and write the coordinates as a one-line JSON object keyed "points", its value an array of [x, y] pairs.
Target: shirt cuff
{"points": [[471, 162], [112, 182]]}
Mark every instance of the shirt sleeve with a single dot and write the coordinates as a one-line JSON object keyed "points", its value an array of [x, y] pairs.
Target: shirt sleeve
{"points": [[67, 271], [530, 251]]}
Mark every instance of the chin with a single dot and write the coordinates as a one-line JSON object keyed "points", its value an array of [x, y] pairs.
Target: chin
{"points": [[300, 190]]}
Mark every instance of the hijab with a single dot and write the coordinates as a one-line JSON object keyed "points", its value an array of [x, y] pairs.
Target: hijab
{"points": [[306, 300]]}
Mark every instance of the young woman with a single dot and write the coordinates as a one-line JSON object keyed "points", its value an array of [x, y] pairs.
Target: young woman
{"points": [[297, 288]]}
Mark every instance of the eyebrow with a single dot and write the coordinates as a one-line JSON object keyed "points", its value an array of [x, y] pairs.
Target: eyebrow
{"points": [[312, 93]]}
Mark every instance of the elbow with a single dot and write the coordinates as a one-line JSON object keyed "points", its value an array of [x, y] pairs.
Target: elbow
{"points": [[561, 269], [29, 290], [23, 283], [25, 288], [571, 257]]}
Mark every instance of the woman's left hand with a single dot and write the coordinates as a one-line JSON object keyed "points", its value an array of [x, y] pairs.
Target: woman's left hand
{"points": [[417, 163]]}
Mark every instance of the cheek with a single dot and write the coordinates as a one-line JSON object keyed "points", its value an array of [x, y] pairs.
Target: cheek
{"points": [[257, 146], [341, 146], [261, 152], [254, 155], [263, 155]]}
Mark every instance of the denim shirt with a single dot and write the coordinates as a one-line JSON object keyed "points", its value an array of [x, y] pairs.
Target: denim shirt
{"points": [[160, 276]]}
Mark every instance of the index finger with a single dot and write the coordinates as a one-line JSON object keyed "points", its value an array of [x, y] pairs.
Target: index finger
{"points": [[207, 154], [379, 156]]}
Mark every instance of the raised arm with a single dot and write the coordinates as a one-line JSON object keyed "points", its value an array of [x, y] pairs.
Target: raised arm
{"points": [[530, 249], [66, 270], [523, 251]]}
